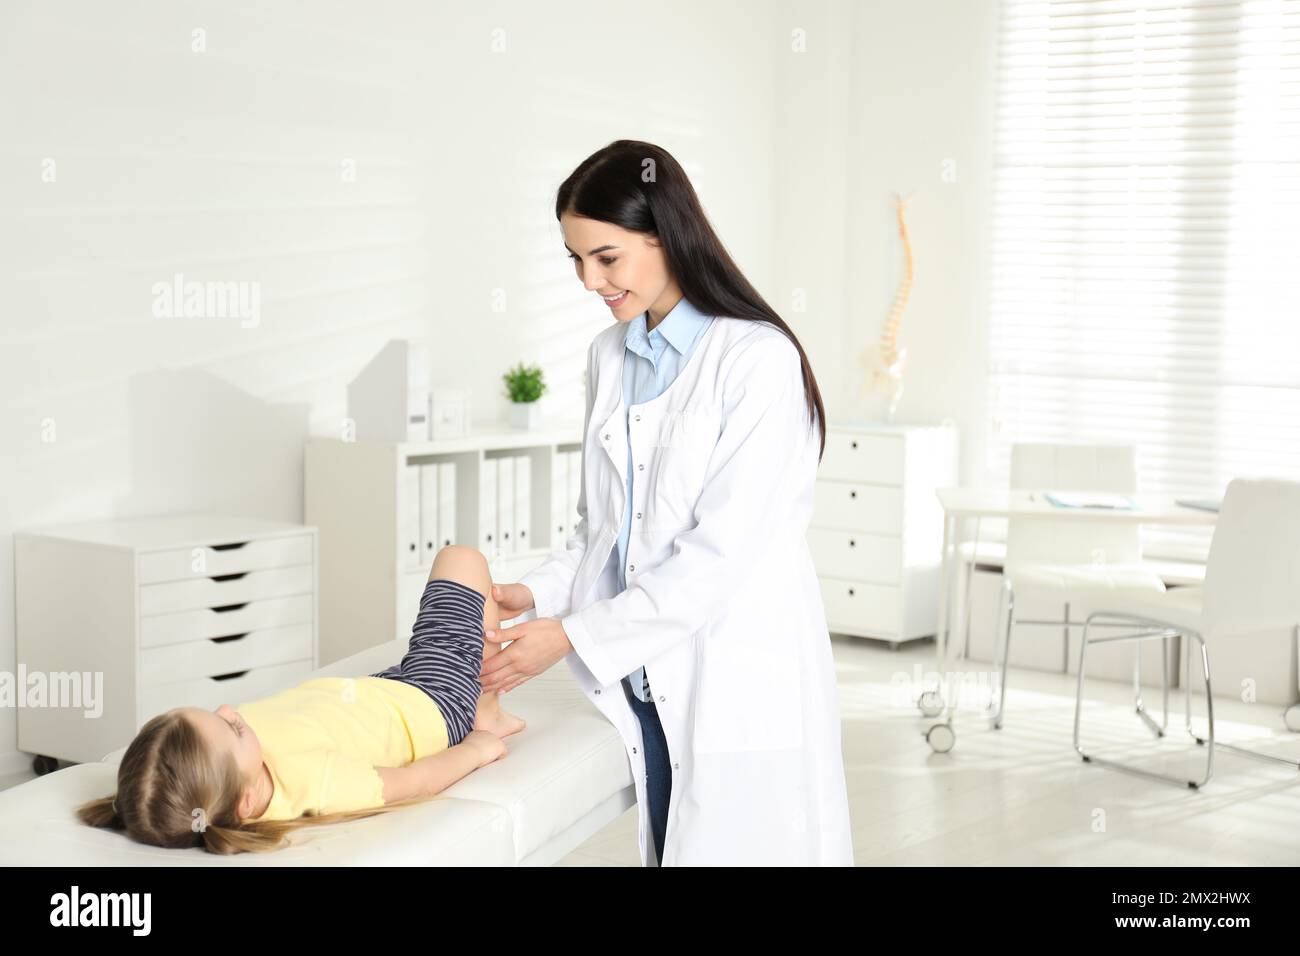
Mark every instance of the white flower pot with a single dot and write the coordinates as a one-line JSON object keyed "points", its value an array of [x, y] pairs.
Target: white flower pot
{"points": [[525, 415]]}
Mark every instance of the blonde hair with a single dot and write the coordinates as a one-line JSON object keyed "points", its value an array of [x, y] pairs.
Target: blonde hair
{"points": [[172, 793]]}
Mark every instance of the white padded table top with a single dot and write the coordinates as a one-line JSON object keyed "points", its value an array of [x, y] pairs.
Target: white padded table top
{"points": [[564, 777]]}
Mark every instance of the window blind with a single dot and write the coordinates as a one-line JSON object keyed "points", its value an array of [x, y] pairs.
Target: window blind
{"points": [[1145, 281]]}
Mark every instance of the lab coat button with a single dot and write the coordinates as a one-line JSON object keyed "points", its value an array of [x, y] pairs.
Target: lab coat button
{"points": [[631, 567], [638, 514], [661, 700], [633, 750], [638, 418], [597, 690], [606, 437], [640, 467]]}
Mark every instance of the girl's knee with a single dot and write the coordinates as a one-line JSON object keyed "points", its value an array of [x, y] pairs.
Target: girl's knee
{"points": [[464, 565]]}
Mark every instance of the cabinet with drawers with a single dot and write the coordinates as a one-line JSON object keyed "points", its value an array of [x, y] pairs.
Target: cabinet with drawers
{"points": [[122, 620], [877, 528]]}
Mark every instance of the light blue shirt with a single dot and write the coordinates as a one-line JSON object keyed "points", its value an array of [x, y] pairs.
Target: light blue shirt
{"points": [[650, 364]]}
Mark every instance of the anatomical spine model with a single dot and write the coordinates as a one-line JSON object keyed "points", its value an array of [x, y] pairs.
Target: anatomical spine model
{"points": [[883, 362]]}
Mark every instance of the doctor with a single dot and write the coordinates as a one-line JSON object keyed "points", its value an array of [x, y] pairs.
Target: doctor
{"points": [[686, 603]]}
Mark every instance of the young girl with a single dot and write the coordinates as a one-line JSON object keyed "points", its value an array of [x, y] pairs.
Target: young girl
{"points": [[330, 749]]}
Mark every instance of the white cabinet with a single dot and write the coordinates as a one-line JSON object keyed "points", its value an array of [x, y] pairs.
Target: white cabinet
{"points": [[877, 528], [384, 509], [122, 620]]}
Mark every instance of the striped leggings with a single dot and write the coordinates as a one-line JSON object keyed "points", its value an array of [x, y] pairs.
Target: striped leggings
{"points": [[446, 653]]}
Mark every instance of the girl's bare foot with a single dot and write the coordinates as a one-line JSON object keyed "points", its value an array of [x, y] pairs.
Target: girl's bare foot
{"points": [[497, 721], [489, 716]]}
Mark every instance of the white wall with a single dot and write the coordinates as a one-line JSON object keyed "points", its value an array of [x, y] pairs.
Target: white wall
{"points": [[814, 112], [923, 104], [227, 165]]}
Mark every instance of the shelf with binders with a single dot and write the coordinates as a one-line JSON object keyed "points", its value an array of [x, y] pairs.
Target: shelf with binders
{"points": [[384, 509]]}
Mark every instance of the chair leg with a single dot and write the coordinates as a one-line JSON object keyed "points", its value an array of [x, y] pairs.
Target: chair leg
{"points": [[997, 644], [1243, 751], [1078, 704], [1256, 755], [1078, 692], [1010, 596], [970, 569], [1165, 645], [1209, 705], [1208, 741], [1138, 705], [1187, 684]]}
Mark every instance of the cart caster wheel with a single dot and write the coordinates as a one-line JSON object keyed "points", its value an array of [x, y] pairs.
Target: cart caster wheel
{"points": [[940, 738], [931, 704], [42, 765], [1292, 718]]}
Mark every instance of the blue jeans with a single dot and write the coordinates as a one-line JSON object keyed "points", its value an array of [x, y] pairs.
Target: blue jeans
{"points": [[659, 775]]}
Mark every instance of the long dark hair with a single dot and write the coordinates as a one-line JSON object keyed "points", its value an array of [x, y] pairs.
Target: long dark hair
{"points": [[640, 187]]}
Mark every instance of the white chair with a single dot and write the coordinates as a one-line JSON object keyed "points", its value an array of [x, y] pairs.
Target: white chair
{"points": [[1072, 561], [1251, 592]]}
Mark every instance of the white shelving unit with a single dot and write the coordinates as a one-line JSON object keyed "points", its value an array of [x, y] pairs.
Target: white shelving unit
{"points": [[175, 611], [877, 527], [375, 550]]}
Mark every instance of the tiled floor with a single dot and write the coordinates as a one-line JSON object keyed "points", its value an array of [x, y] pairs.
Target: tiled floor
{"points": [[1021, 795]]}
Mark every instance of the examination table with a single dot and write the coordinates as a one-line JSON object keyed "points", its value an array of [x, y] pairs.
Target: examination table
{"points": [[565, 776]]}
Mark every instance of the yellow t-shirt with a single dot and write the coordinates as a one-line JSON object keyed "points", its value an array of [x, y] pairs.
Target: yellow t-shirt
{"points": [[322, 740]]}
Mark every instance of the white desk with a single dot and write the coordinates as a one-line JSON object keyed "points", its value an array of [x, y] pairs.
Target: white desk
{"points": [[958, 503]]}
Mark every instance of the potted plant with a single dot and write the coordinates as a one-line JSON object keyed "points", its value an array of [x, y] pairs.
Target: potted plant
{"points": [[524, 386]]}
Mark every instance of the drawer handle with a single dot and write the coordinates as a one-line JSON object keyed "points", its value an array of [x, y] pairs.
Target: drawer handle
{"points": [[231, 676], [228, 577], [228, 607], [413, 545], [229, 547], [850, 592], [229, 637], [852, 543], [855, 444], [853, 494]]}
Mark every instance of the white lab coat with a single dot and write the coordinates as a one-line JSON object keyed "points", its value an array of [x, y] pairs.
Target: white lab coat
{"points": [[722, 604]]}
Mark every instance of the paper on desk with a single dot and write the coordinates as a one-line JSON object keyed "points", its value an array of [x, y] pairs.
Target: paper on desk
{"points": [[1090, 499]]}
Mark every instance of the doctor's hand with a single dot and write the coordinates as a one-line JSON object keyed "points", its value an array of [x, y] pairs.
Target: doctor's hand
{"points": [[534, 647], [512, 599]]}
